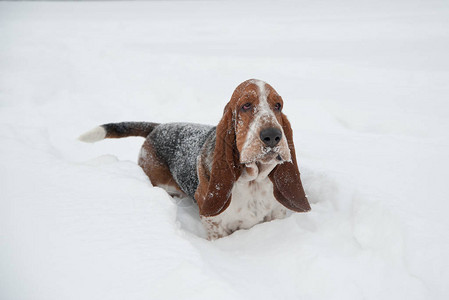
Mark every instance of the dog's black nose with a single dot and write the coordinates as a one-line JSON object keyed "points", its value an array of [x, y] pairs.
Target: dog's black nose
{"points": [[271, 136]]}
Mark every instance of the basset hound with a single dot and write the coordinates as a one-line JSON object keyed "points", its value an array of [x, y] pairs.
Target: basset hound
{"points": [[241, 172]]}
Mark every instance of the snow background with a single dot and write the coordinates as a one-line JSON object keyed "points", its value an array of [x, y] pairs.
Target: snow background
{"points": [[366, 89]]}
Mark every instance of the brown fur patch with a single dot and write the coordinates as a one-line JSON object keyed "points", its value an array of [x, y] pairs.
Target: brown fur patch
{"points": [[214, 190], [158, 171], [287, 185]]}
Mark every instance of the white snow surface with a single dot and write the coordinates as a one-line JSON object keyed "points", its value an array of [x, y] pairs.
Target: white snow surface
{"points": [[365, 86]]}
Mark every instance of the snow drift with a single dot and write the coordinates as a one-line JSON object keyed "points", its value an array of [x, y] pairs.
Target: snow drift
{"points": [[365, 88]]}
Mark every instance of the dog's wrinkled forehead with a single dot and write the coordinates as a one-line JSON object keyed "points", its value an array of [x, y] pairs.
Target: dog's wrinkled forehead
{"points": [[254, 90]]}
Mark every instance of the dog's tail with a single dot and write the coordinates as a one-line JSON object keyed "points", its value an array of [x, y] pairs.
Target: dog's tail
{"points": [[118, 130]]}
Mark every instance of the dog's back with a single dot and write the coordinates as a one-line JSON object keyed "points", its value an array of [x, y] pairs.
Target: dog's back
{"points": [[178, 145]]}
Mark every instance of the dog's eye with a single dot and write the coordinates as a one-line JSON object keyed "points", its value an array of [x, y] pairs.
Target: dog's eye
{"points": [[246, 106], [278, 107]]}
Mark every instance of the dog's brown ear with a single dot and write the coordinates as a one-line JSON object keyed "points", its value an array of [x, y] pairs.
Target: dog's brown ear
{"points": [[287, 185], [215, 196]]}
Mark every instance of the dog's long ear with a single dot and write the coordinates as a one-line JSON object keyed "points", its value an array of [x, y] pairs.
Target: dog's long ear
{"points": [[215, 197], [287, 185]]}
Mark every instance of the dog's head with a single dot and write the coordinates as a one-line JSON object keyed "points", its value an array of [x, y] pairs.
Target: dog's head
{"points": [[254, 129], [256, 110]]}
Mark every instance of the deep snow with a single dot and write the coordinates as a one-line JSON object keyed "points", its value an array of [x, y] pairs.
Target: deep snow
{"points": [[365, 86]]}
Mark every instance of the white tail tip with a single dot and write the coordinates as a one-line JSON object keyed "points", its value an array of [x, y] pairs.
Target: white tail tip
{"points": [[94, 135]]}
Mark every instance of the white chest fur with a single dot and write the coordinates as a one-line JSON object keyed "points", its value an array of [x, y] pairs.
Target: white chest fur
{"points": [[252, 202]]}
